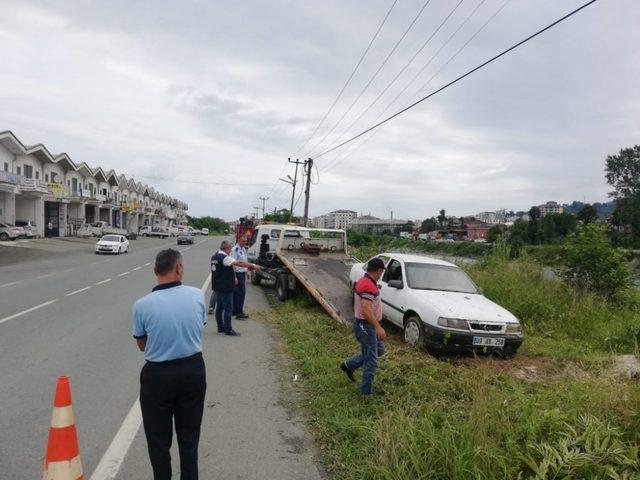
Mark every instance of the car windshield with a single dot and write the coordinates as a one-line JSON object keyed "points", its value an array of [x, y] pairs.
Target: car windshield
{"points": [[110, 238], [424, 276]]}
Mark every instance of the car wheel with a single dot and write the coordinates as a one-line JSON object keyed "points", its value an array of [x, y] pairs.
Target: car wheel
{"points": [[282, 289], [414, 331], [119, 251], [4, 237]]}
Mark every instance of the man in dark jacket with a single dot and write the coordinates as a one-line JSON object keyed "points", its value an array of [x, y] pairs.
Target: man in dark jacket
{"points": [[223, 280]]}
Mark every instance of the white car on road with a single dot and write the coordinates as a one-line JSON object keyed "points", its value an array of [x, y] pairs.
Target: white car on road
{"points": [[113, 244], [438, 305]]}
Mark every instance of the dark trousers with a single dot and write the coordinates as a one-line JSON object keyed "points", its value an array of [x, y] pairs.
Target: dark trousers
{"points": [[239, 292], [173, 390], [370, 349], [224, 310]]}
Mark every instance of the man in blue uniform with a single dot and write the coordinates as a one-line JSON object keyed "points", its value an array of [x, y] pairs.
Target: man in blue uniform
{"points": [[168, 325], [239, 252], [223, 280]]}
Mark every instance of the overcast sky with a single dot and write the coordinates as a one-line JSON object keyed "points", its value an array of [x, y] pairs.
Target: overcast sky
{"points": [[219, 91]]}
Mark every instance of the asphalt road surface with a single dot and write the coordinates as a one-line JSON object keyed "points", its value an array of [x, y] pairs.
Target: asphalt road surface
{"points": [[70, 315]]}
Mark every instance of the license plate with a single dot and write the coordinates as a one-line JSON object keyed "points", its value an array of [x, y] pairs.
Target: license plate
{"points": [[488, 342]]}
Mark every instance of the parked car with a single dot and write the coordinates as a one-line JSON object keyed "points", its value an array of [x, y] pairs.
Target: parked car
{"points": [[439, 306], [28, 226], [98, 229], [10, 232], [205, 231], [185, 237], [112, 244], [147, 231]]}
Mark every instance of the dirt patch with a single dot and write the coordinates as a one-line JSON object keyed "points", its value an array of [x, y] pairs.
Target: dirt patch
{"points": [[626, 366]]}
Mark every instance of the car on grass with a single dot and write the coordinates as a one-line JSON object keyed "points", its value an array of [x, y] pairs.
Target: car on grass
{"points": [[185, 237], [438, 306], [10, 232], [112, 244]]}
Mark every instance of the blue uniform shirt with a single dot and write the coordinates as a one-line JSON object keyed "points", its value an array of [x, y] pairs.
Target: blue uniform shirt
{"points": [[239, 253], [172, 318]]}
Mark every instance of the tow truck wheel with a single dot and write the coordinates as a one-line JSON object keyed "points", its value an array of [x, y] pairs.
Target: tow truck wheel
{"points": [[255, 278], [414, 331], [282, 289]]}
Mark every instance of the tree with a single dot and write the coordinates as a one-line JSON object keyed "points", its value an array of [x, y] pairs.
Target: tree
{"points": [[533, 227], [428, 225], [623, 174], [214, 224], [442, 218], [280, 216], [494, 234], [593, 264], [587, 214], [407, 227]]}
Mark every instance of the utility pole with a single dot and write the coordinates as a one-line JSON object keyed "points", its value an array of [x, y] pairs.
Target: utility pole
{"points": [[308, 167], [257, 209], [293, 182], [264, 199]]}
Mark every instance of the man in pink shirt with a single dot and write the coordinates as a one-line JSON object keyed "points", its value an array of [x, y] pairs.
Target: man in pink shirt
{"points": [[367, 328]]}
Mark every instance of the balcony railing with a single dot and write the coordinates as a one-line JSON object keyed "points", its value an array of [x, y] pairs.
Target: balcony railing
{"points": [[12, 178]]}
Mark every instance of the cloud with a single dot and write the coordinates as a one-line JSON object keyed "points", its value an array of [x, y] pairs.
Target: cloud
{"points": [[225, 92]]}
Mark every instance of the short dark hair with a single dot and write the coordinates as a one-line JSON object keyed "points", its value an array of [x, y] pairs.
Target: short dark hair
{"points": [[166, 261], [375, 264]]}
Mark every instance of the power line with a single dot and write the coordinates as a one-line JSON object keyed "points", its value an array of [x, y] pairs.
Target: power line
{"points": [[456, 80], [200, 182], [331, 165], [384, 62], [355, 69], [402, 70]]}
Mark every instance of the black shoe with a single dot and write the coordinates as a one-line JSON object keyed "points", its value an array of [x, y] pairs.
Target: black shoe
{"points": [[232, 333], [220, 331], [242, 316], [348, 372], [210, 311]]}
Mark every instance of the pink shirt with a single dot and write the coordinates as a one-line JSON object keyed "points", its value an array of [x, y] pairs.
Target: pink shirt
{"points": [[366, 290]]}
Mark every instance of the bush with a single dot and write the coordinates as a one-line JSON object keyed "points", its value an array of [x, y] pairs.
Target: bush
{"points": [[593, 264]]}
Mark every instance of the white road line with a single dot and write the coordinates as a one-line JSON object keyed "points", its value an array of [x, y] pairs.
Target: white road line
{"points": [[9, 284], [28, 310], [47, 275], [123, 274], [112, 459], [134, 269], [147, 264], [103, 282], [77, 291]]}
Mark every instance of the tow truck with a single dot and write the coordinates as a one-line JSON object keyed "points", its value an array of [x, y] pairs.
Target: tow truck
{"points": [[294, 257]]}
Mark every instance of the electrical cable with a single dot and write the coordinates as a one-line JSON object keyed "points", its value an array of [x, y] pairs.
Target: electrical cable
{"points": [[402, 70], [331, 165], [344, 87], [456, 80], [373, 77]]}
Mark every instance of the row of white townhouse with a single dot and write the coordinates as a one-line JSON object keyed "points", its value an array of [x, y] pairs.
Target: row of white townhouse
{"points": [[54, 190]]}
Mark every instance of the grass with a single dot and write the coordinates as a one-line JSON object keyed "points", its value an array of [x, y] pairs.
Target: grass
{"points": [[554, 411]]}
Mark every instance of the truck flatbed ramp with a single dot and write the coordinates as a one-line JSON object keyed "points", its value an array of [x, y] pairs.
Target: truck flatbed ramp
{"points": [[326, 277]]}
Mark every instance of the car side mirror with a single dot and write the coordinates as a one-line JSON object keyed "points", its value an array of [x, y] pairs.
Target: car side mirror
{"points": [[396, 284]]}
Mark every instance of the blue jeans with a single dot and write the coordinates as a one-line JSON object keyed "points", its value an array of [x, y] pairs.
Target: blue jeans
{"points": [[239, 293], [371, 348], [224, 309]]}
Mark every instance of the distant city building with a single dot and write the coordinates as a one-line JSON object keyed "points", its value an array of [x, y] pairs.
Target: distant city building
{"points": [[337, 219], [370, 224], [493, 218], [550, 208]]}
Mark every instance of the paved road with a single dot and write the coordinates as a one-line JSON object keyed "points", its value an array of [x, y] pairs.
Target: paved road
{"points": [[84, 332]]}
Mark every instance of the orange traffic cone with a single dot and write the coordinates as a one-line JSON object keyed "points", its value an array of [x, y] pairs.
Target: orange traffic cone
{"points": [[62, 461]]}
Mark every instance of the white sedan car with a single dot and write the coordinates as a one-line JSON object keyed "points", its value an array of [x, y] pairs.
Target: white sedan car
{"points": [[112, 244], [438, 305]]}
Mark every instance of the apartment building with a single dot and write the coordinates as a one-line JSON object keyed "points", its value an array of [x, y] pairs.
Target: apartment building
{"points": [[43, 188], [341, 219], [493, 218], [550, 207]]}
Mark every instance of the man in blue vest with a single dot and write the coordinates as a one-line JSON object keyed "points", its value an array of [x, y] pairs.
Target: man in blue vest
{"points": [[223, 280], [239, 252]]}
